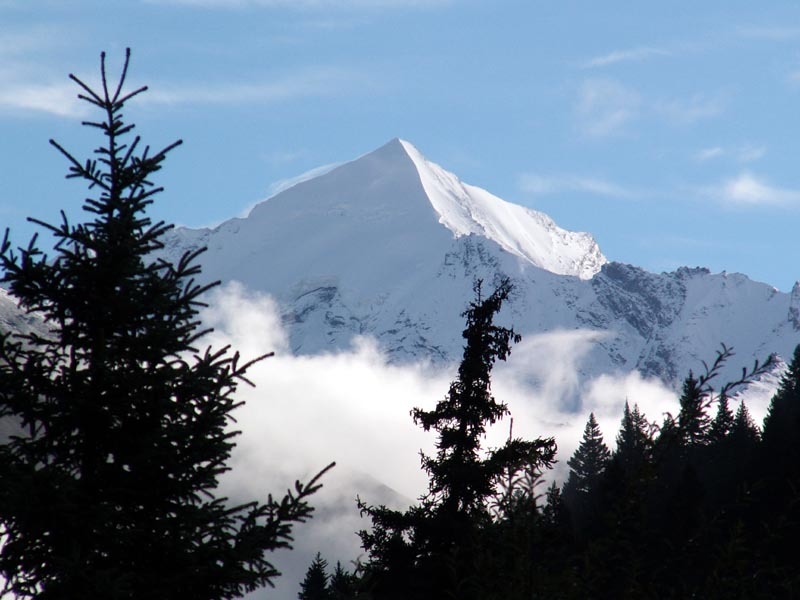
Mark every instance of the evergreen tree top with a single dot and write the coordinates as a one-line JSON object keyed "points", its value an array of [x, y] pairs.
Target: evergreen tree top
{"points": [[723, 421], [109, 490], [591, 457], [458, 474]]}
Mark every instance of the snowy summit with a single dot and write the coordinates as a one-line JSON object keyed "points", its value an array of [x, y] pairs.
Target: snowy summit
{"points": [[465, 209], [401, 206], [389, 245]]}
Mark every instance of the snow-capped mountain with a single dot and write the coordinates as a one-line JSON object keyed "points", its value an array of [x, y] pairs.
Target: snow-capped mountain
{"points": [[389, 245]]}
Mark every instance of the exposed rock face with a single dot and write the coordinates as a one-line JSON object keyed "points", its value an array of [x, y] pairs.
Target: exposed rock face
{"points": [[794, 306]]}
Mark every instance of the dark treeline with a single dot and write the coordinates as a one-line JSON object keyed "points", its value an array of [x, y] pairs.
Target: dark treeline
{"points": [[703, 504]]}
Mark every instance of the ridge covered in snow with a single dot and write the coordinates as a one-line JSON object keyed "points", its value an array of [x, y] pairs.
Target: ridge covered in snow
{"points": [[399, 205], [388, 245], [465, 209]]}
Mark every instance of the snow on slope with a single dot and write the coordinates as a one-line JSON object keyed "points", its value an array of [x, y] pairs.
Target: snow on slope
{"points": [[12, 318], [388, 246], [466, 209], [398, 205]]}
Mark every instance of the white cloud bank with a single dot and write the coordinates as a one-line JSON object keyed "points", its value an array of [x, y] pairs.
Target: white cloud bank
{"points": [[353, 407]]}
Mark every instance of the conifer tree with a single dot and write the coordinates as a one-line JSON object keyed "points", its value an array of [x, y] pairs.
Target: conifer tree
{"points": [[342, 584], [693, 421], [633, 440], [586, 468], [108, 491], [723, 421], [744, 430], [588, 462], [782, 423], [554, 511], [430, 550], [315, 585]]}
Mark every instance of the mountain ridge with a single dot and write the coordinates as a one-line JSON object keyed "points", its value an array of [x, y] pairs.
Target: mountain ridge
{"points": [[389, 245]]}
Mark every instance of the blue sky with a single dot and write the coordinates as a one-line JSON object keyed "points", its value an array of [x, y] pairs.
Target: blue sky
{"points": [[670, 131]]}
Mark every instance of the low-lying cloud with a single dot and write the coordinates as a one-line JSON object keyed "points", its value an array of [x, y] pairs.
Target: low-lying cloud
{"points": [[352, 407]]}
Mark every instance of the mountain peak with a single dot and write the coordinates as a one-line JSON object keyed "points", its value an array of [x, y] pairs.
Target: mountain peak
{"points": [[388, 245], [397, 183], [386, 213], [466, 210], [469, 210]]}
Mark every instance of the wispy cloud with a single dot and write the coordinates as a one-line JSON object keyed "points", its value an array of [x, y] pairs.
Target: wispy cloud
{"points": [[748, 190], [544, 185], [691, 110], [708, 153], [58, 99], [605, 107], [19, 94], [312, 83], [25, 41], [619, 56], [744, 154], [26, 84], [750, 153]]}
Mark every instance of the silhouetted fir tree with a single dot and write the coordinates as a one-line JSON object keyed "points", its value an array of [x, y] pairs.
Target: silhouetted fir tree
{"points": [[693, 420], [521, 540], [678, 526], [342, 584], [744, 430], [781, 430], [698, 395], [634, 444], [553, 510], [779, 483], [619, 506], [315, 585], [581, 490], [730, 475], [588, 462], [723, 421], [108, 491], [432, 550]]}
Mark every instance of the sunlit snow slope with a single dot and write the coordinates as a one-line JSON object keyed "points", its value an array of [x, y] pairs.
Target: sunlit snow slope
{"points": [[389, 245], [466, 209]]}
